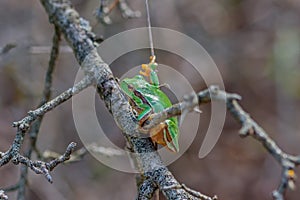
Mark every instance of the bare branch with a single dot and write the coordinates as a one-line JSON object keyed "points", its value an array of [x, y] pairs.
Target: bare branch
{"points": [[63, 15], [24, 124], [191, 192], [14, 149], [39, 167], [11, 188], [80, 153], [36, 125], [189, 103], [102, 13], [53, 58], [198, 194], [287, 162], [66, 156], [44, 168], [251, 128]]}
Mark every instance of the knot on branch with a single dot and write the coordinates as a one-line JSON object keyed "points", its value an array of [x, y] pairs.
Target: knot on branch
{"points": [[217, 94], [22, 125]]}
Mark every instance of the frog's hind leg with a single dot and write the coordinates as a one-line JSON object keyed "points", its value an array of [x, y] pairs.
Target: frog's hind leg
{"points": [[168, 140], [144, 115], [157, 134]]}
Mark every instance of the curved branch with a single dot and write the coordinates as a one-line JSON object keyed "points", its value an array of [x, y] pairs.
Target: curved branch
{"points": [[25, 123], [249, 128], [44, 168], [189, 103]]}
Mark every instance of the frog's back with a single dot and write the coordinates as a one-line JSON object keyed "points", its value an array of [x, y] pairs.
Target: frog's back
{"points": [[156, 98]]}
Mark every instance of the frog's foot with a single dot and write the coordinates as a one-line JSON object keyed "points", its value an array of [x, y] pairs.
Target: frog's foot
{"points": [[157, 134], [146, 70], [197, 110], [166, 85], [152, 59]]}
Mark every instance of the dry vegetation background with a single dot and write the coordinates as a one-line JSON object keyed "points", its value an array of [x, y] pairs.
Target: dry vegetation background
{"points": [[256, 46]]}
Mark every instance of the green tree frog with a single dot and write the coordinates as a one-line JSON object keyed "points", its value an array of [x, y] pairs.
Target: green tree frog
{"points": [[147, 98]]}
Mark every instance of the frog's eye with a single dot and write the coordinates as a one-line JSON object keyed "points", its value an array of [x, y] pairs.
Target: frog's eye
{"points": [[130, 87], [139, 77]]}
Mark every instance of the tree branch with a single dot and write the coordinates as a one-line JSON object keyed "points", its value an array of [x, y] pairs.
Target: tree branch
{"points": [[189, 103], [153, 172], [149, 163], [25, 123], [249, 128], [44, 168], [36, 125], [80, 153], [102, 13], [13, 154]]}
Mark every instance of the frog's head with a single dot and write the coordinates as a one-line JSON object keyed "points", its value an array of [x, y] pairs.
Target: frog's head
{"points": [[129, 84], [126, 86]]}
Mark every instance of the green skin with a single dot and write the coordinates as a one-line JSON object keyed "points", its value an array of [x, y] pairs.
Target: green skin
{"points": [[147, 98]]}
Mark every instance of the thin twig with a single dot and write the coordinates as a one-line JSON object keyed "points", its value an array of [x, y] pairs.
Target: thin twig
{"points": [[102, 13], [189, 103], [44, 168], [249, 128], [24, 124], [40, 167], [7, 48], [80, 153], [11, 188], [288, 162], [198, 194], [190, 191], [36, 125], [34, 114]]}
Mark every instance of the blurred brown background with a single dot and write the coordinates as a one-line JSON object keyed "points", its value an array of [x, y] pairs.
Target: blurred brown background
{"points": [[256, 46]]}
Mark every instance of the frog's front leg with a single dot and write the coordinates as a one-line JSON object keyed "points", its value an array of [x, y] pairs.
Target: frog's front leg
{"points": [[150, 71], [144, 115]]}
